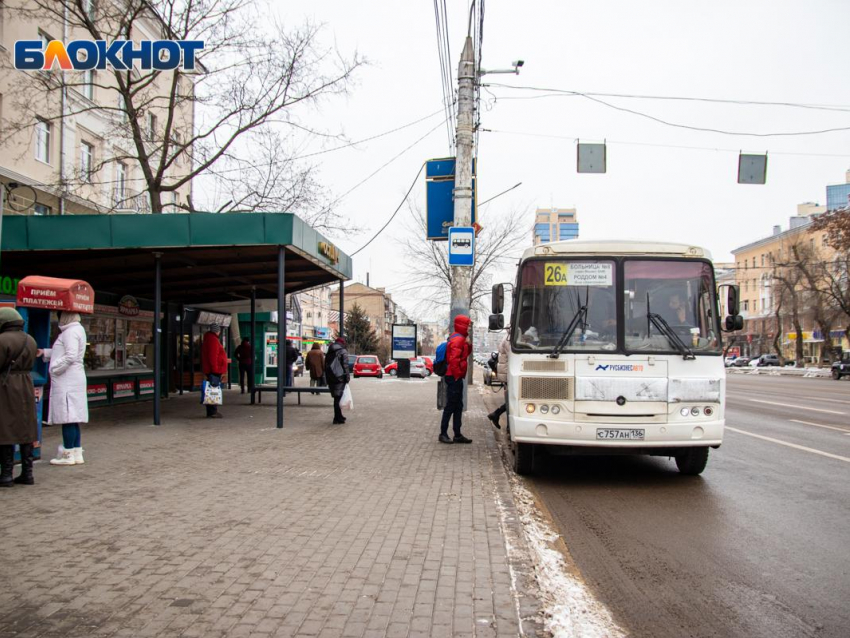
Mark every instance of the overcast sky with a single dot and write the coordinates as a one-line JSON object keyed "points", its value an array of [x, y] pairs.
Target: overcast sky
{"points": [[767, 50]]}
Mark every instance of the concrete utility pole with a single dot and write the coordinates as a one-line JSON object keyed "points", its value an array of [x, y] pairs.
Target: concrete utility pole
{"points": [[462, 275]]}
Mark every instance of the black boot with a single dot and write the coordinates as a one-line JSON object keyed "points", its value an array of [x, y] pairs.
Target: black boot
{"points": [[26, 478], [7, 459]]}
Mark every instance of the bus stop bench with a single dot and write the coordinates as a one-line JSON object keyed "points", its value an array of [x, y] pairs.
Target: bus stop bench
{"points": [[259, 389]]}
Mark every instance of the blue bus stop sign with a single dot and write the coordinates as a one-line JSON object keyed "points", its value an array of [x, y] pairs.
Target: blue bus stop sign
{"points": [[461, 246]]}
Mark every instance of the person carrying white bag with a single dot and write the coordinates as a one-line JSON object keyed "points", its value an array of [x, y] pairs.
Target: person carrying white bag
{"points": [[336, 372]]}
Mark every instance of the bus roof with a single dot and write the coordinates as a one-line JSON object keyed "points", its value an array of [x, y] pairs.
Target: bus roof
{"points": [[616, 248]]}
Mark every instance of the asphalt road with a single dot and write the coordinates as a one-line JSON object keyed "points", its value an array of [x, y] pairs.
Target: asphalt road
{"points": [[759, 545]]}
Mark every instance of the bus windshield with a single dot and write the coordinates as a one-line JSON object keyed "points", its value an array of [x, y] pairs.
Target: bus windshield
{"points": [[559, 294], [677, 294]]}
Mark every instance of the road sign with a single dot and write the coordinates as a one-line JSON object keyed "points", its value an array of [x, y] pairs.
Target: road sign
{"points": [[440, 203], [461, 246]]}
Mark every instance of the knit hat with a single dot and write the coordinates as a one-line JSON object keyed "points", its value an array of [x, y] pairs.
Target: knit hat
{"points": [[8, 314]]}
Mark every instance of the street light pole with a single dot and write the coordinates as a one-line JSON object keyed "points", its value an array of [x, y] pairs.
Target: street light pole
{"points": [[462, 275]]}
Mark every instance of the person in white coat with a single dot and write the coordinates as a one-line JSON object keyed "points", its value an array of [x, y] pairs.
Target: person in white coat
{"points": [[69, 406]]}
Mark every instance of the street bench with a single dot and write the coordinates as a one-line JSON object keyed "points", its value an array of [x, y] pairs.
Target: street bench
{"points": [[259, 389]]}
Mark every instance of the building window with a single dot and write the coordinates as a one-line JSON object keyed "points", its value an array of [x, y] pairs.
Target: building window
{"points": [[86, 161], [755, 305], [120, 182], [2, 15], [151, 126], [41, 209], [88, 84], [754, 261], [42, 141], [762, 260], [746, 306], [89, 6]]}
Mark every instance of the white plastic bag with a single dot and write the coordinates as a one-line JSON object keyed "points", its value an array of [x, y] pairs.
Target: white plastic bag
{"points": [[212, 394], [347, 400]]}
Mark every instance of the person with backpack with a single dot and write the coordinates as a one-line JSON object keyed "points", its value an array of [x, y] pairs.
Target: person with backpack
{"points": [[457, 351]]}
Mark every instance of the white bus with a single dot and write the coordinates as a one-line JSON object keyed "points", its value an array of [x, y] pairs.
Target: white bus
{"points": [[615, 349]]}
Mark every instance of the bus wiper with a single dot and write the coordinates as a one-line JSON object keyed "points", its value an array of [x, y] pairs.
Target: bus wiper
{"points": [[664, 328], [579, 318]]}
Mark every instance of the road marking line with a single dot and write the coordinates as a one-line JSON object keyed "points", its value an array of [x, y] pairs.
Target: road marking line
{"points": [[820, 425], [793, 445], [813, 398], [798, 407]]}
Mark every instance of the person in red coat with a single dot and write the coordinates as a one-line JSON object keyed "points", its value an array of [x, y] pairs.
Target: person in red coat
{"points": [[457, 353], [213, 364]]}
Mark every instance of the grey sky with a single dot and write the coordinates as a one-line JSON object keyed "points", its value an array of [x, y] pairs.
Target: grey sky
{"points": [[750, 50]]}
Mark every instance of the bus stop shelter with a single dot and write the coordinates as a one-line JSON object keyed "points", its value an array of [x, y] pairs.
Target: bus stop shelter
{"points": [[182, 258]]}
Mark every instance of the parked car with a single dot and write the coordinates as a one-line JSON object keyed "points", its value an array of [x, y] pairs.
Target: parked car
{"points": [[841, 368], [753, 363], [352, 359], [367, 366], [768, 360], [729, 361], [741, 362], [429, 364], [417, 368]]}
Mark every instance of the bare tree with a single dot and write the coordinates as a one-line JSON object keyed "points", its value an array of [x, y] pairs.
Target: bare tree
{"points": [[499, 244], [235, 118]]}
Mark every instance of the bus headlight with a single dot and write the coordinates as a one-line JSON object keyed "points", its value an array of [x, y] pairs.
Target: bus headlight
{"points": [[695, 411], [556, 409], [685, 411], [708, 411], [544, 409], [529, 407]]}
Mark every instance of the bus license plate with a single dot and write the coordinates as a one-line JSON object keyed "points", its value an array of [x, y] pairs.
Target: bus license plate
{"points": [[620, 434]]}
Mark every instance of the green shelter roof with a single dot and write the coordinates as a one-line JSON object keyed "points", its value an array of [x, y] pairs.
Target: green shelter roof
{"points": [[206, 257]]}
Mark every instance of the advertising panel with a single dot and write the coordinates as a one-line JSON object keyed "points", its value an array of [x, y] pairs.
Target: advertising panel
{"points": [[404, 341], [123, 389]]}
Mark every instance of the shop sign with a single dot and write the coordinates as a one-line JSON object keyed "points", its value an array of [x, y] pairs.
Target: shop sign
{"points": [[323, 333], [207, 318], [96, 392], [793, 335], [128, 306], [50, 293], [123, 389], [329, 252], [146, 386], [9, 286]]}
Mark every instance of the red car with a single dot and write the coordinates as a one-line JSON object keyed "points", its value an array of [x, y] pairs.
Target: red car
{"points": [[368, 366], [419, 366]]}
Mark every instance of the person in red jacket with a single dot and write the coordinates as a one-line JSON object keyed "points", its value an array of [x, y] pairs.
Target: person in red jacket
{"points": [[213, 363], [457, 354]]}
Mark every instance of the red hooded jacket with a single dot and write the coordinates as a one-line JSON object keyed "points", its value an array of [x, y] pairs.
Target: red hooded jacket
{"points": [[458, 349], [213, 355]]}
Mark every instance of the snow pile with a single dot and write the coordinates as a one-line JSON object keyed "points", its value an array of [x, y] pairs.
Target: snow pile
{"points": [[569, 609]]}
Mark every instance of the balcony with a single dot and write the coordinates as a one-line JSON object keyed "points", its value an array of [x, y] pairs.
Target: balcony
{"points": [[127, 203]]}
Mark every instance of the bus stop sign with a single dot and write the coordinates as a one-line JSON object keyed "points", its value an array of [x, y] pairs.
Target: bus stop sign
{"points": [[461, 246]]}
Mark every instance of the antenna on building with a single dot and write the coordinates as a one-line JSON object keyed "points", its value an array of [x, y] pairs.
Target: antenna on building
{"points": [[367, 279]]}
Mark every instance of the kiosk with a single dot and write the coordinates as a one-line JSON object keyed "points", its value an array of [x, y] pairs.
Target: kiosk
{"points": [[37, 298]]}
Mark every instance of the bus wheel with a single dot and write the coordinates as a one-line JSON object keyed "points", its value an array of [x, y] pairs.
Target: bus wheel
{"points": [[523, 458], [692, 461]]}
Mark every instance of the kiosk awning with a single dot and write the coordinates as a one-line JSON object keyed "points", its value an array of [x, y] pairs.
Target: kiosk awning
{"points": [[50, 293]]}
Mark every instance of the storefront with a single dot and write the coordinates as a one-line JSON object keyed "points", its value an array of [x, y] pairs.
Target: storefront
{"points": [[187, 370]]}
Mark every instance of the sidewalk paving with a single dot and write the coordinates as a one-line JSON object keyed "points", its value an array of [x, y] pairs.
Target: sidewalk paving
{"points": [[231, 527]]}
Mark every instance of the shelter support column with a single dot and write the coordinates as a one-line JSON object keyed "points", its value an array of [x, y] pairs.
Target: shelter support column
{"points": [[281, 331], [157, 339], [252, 373], [341, 329], [181, 347]]}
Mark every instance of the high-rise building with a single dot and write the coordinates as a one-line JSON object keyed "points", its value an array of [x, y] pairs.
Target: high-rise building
{"points": [[838, 196], [555, 224]]}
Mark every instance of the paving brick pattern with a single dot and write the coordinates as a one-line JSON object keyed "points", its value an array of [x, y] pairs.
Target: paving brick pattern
{"points": [[231, 527]]}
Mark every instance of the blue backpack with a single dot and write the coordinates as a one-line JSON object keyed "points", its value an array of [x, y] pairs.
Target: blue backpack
{"points": [[441, 365]]}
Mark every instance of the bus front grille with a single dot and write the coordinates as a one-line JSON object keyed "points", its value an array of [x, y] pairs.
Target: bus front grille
{"points": [[544, 366], [546, 388]]}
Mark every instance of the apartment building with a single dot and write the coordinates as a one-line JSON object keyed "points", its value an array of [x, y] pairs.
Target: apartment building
{"points": [[66, 136], [838, 195], [316, 311], [756, 268], [554, 224]]}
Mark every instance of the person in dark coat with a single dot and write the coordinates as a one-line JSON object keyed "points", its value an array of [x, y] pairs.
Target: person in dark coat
{"points": [[245, 356], [336, 373], [315, 363], [292, 355], [18, 425]]}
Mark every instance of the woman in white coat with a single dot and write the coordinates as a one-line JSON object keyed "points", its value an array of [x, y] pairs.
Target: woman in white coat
{"points": [[68, 398]]}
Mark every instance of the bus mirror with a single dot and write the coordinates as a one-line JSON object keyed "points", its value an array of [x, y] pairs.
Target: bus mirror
{"points": [[497, 321], [733, 296], [733, 323], [498, 300]]}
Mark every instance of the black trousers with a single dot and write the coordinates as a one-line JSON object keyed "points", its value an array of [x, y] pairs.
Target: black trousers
{"points": [[454, 405], [245, 371], [337, 410]]}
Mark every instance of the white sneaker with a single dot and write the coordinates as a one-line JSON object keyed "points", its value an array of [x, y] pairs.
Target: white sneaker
{"points": [[78, 456], [65, 457]]}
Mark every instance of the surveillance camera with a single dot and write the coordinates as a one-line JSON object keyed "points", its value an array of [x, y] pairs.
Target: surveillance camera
{"points": [[519, 63]]}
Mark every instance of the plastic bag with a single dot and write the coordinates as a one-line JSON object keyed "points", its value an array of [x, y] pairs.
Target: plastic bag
{"points": [[347, 400], [212, 394]]}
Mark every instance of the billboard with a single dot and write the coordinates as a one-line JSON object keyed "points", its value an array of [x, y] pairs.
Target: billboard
{"points": [[404, 341]]}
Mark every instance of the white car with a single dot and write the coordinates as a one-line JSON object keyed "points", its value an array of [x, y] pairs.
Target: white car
{"points": [[418, 368], [729, 361], [754, 363]]}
